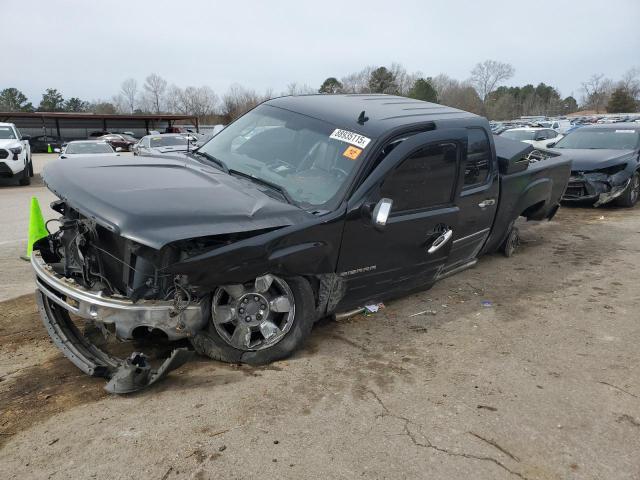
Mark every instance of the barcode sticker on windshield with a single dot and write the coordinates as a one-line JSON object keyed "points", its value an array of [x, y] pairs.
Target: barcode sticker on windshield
{"points": [[350, 137]]}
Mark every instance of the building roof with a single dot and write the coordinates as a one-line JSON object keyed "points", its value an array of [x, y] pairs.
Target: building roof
{"points": [[384, 112], [93, 116]]}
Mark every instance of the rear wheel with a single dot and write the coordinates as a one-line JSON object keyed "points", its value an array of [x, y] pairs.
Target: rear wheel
{"points": [[511, 243], [258, 322], [631, 194]]}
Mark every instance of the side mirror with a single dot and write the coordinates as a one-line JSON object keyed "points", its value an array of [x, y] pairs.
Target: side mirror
{"points": [[57, 150], [551, 145], [118, 149], [381, 212], [540, 137], [26, 137]]}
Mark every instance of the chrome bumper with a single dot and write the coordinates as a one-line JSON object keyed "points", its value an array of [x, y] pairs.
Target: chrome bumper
{"points": [[122, 313]]}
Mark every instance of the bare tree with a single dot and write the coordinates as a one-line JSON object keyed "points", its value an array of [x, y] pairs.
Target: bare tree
{"points": [[238, 100], [596, 92], [129, 92], [357, 82], [631, 82], [155, 87], [199, 101], [295, 88], [486, 76], [453, 93]]}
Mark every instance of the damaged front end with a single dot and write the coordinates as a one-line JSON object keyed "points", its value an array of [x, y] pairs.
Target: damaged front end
{"points": [[87, 275], [598, 186]]}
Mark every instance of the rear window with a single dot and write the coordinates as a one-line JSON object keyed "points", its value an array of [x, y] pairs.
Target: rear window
{"points": [[88, 148], [601, 138], [478, 163], [162, 141], [519, 135]]}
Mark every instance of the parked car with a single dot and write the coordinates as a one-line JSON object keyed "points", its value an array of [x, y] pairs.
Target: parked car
{"points": [[538, 137], [88, 148], [125, 142], [559, 125], [97, 134], [167, 143], [605, 164], [44, 143], [240, 247], [15, 154]]}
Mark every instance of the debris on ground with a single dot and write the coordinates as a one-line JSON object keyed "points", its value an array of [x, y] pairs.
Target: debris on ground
{"points": [[373, 308], [430, 312], [487, 303]]}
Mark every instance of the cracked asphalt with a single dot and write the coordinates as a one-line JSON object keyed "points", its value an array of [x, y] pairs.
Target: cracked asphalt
{"points": [[542, 384]]}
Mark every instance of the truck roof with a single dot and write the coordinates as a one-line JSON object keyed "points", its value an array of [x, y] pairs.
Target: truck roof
{"points": [[384, 112]]}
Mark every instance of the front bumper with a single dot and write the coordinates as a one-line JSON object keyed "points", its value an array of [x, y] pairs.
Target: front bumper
{"points": [[121, 313], [57, 297], [597, 188]]}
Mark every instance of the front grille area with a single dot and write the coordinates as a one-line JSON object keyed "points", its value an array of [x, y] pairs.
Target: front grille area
{"points": [[576, 190], [4, 153]]}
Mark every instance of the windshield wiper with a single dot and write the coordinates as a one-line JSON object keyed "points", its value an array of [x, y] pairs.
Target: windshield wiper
{"points": [[274, 186], [211, 158]]}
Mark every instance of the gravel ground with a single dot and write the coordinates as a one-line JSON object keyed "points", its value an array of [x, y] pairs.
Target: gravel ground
{"points": [[542, 384]]}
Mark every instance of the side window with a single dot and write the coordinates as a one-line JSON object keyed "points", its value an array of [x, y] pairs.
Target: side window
{"points": [[424, 179], [478, 164], [19, 135], [552, 134]]}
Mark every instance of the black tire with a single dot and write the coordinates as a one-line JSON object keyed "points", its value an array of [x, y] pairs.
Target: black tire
{"points": [[510, 243], [208, 342], [25, 177], [631, 194]]}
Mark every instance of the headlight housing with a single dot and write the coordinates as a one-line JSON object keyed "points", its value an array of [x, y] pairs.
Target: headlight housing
{"points": [[16, 151]]}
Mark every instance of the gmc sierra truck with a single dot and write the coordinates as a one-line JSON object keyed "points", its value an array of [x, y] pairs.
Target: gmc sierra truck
{"points": [[306, 206]]}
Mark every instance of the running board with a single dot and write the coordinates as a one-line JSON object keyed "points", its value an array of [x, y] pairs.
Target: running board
{"points": [[458, 269]]}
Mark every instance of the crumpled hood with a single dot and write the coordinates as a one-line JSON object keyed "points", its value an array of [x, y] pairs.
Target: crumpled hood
{"points": [[155, 201], [588, 159]]}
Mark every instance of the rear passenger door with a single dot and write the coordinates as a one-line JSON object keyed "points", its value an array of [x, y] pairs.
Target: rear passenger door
{"points": [[478, 199]]}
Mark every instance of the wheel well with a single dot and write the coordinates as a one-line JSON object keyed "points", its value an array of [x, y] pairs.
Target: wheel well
{"points": [[532, 209]]}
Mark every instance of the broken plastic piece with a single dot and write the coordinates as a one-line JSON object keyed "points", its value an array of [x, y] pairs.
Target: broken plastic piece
{"points": [[135, 373]]}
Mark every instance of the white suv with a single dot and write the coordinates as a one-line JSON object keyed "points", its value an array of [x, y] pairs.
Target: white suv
{"points": [[15, 154]]}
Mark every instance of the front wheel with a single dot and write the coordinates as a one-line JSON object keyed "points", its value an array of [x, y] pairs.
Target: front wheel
{"points": [[630, 196], [25, 177], [257, 322]]}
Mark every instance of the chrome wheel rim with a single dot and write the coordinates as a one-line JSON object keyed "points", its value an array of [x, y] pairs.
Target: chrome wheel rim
{"points": [[253, 317]]}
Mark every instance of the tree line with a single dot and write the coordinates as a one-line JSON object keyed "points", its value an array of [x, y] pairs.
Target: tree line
{"points": [[484, 92]]}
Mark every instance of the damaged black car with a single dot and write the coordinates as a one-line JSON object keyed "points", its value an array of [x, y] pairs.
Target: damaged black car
{"points": [[303, 208], [605, 164]]}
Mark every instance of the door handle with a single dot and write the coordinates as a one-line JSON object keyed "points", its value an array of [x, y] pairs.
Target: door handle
{"points": [[487, 203], [440, 241]]}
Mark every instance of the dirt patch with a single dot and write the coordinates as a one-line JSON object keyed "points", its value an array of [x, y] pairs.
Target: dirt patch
{"points": [[20, 322], [32, 394]]}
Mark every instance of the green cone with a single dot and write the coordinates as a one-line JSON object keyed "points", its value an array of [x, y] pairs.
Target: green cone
{"points": [[37, 228]]}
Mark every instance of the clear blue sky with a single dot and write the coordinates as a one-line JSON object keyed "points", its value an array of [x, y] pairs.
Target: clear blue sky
{"points": [[86, 48]]}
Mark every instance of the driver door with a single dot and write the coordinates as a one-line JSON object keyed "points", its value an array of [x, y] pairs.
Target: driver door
{"points": [[420, 177]]}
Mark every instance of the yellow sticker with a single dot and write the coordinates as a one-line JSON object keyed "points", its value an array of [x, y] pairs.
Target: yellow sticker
{"points": [[352, 152]]}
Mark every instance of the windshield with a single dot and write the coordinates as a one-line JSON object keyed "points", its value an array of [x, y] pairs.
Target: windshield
{"points": [[163, 141], [596, 138], [519, 134], [6, 133], [293, 151], [83, 148]]}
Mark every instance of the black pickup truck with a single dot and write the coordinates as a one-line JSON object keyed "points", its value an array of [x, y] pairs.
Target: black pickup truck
{"points": [[306, 206]]}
